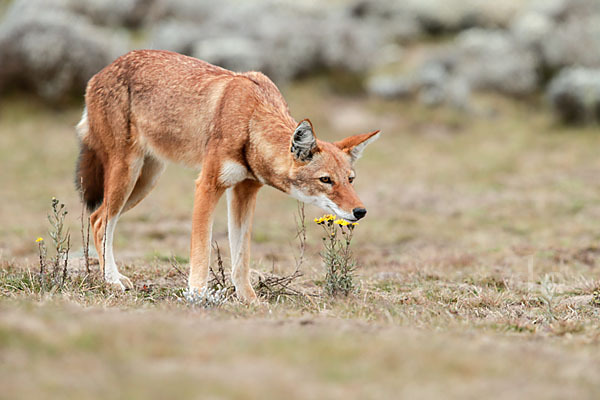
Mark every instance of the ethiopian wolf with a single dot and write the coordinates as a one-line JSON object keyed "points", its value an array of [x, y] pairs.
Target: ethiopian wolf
{"points": [[151, 106]]}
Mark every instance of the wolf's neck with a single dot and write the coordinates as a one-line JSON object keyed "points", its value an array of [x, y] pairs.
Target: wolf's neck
{"points": [[268, 152]]}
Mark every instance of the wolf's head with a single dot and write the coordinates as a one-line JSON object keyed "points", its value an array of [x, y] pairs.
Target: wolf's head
{"points": [[323, 172]]}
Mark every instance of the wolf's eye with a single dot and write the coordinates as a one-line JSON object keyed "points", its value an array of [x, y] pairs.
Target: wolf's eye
{"points": [[325, 179], [350, 179]]}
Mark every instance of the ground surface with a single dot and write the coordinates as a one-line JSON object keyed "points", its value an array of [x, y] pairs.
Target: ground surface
{"points": [[479, 260]]}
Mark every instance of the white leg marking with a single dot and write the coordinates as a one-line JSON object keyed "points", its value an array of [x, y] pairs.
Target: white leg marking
{"points": [[110, 266], [233, 229], [238, 244], [111, 272]]}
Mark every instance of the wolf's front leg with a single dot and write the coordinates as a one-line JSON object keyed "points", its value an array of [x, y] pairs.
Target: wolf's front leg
{"points": [[241, 200], [206, 197]]}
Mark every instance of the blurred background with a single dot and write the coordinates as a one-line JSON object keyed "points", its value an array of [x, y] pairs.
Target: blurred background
{"points": [[430, 51]]}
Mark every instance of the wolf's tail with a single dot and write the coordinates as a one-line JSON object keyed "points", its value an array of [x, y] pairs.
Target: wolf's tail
{"points": [[89, 171]]}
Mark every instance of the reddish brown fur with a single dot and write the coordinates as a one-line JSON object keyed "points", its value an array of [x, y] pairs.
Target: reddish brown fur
{"points": [[149, 106]]}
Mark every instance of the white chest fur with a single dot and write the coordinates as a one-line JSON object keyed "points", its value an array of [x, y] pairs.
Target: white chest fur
{"points": [[232, 173]]}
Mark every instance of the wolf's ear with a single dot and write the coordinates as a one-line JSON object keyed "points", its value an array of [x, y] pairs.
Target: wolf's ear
{"points": [[304, 142], [354, 145]]}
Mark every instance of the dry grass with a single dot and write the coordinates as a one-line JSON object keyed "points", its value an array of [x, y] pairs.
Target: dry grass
{"points": [[62, 351], [478, 265]]}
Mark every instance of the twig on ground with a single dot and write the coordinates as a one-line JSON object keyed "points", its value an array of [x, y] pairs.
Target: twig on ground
{"points": [[300, 233], [66, 260], [218, 279], [42, 249], [272, 286], [175, 265]]}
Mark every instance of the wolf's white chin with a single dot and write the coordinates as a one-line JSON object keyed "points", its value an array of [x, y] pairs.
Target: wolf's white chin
{"points": [[331, 207], [323, 202]]}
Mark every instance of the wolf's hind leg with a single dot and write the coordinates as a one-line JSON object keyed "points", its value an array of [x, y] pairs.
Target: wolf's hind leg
{"points": [[118, 185], [148, 177]]}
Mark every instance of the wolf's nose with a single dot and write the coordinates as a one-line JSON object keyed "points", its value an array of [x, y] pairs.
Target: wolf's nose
{"points": [[359, 213]]}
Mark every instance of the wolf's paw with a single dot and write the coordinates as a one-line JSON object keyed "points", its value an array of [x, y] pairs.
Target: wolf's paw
{"points": [[197, 288], [119, 280], [247, 295]]}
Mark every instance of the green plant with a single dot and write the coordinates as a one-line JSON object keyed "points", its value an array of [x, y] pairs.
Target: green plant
{"points": [[56, 277], [595, 298], [339, 262], [548, 295]]}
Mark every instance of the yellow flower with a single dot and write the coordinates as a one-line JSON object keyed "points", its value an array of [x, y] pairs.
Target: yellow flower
{"points": [[341, 222], [328, 217], [355, 224], [40, 239]]}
